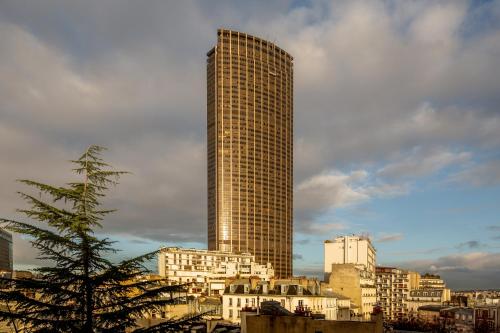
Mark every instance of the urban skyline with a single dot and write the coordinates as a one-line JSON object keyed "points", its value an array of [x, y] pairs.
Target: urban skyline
{"points": [[396, 120]]}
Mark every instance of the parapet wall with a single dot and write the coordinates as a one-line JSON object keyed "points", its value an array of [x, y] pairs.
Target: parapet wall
{"points": [[296, 324]]}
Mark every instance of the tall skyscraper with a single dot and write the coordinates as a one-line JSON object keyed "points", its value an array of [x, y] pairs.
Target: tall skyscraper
{"points": [[250, 149]]}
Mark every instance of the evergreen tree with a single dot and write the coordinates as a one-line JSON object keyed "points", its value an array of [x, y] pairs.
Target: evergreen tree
{"points": [[82, 291]]}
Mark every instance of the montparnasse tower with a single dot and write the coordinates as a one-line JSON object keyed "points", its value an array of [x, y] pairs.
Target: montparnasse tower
{"points": [[250, 149]]}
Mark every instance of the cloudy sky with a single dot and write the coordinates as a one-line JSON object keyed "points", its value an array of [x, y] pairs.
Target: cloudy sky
{"points": [[397, 120]]}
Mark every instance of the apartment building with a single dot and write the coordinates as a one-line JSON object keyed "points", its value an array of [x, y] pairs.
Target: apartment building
{"points": [[487, 317], [357, 250], [206, 270], [393, 287], [294, 296], [356, 284], [424, 297], [431, 281], [349, 270]]}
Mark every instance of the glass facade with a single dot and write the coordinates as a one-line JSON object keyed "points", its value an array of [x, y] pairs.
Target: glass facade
{"points": [[250, 149]]}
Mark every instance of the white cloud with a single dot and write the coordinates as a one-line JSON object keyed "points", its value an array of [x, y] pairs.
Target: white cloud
{"points": [[438, 25], [472, 261], [461, 271], [384, 238], [335, 189], [419, 163], [487, 174], [322, 228]]}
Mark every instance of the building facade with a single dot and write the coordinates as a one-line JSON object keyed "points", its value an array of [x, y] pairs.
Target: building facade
{"points": [[250, 149], [424, 297], [393, 287], [206, 270], [356, 284], [431, 281], [357, 250], [487, 317], [414, 280], [6, 263], [350, 270], [246, 294], [457, 319]]}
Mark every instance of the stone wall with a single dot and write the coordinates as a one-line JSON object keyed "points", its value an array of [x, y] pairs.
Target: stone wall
{"points": [[296, 324]]}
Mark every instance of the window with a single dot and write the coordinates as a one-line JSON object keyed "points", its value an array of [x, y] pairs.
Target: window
{"points": [[230, 313], [230, 301], [238, 304]]}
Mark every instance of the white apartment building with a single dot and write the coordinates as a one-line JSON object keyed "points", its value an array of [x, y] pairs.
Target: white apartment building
{"points": [[393, 288], [430, 281], [356, 250], [245, 294], [207, 270]]}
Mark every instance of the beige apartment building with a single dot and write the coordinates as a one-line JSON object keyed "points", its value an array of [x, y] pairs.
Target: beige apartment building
{"points": [[413, 280], [393, 287], [424, 297], [292, 294], [356, 284], [250, 148]]}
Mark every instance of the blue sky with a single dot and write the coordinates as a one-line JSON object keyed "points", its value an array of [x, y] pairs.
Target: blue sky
{"points": [[397, 121]]}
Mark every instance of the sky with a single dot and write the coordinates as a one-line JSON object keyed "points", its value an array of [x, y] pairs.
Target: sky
{"points": [[396, 120]]}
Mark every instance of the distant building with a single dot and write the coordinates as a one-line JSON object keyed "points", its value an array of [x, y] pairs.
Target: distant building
{"points": [[413, 280], [457, 319], [424, 297], [357, 250], [478, 297], [357, 284], [207, 270], [350, 270], [487, 316], [392, 292], [458, 300], [430, 313], [6, 263], [430, 281], [292, 294]]}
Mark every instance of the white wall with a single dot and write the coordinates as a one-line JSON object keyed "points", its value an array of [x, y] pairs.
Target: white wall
{"points": [[319, 304], [349, 250]]}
